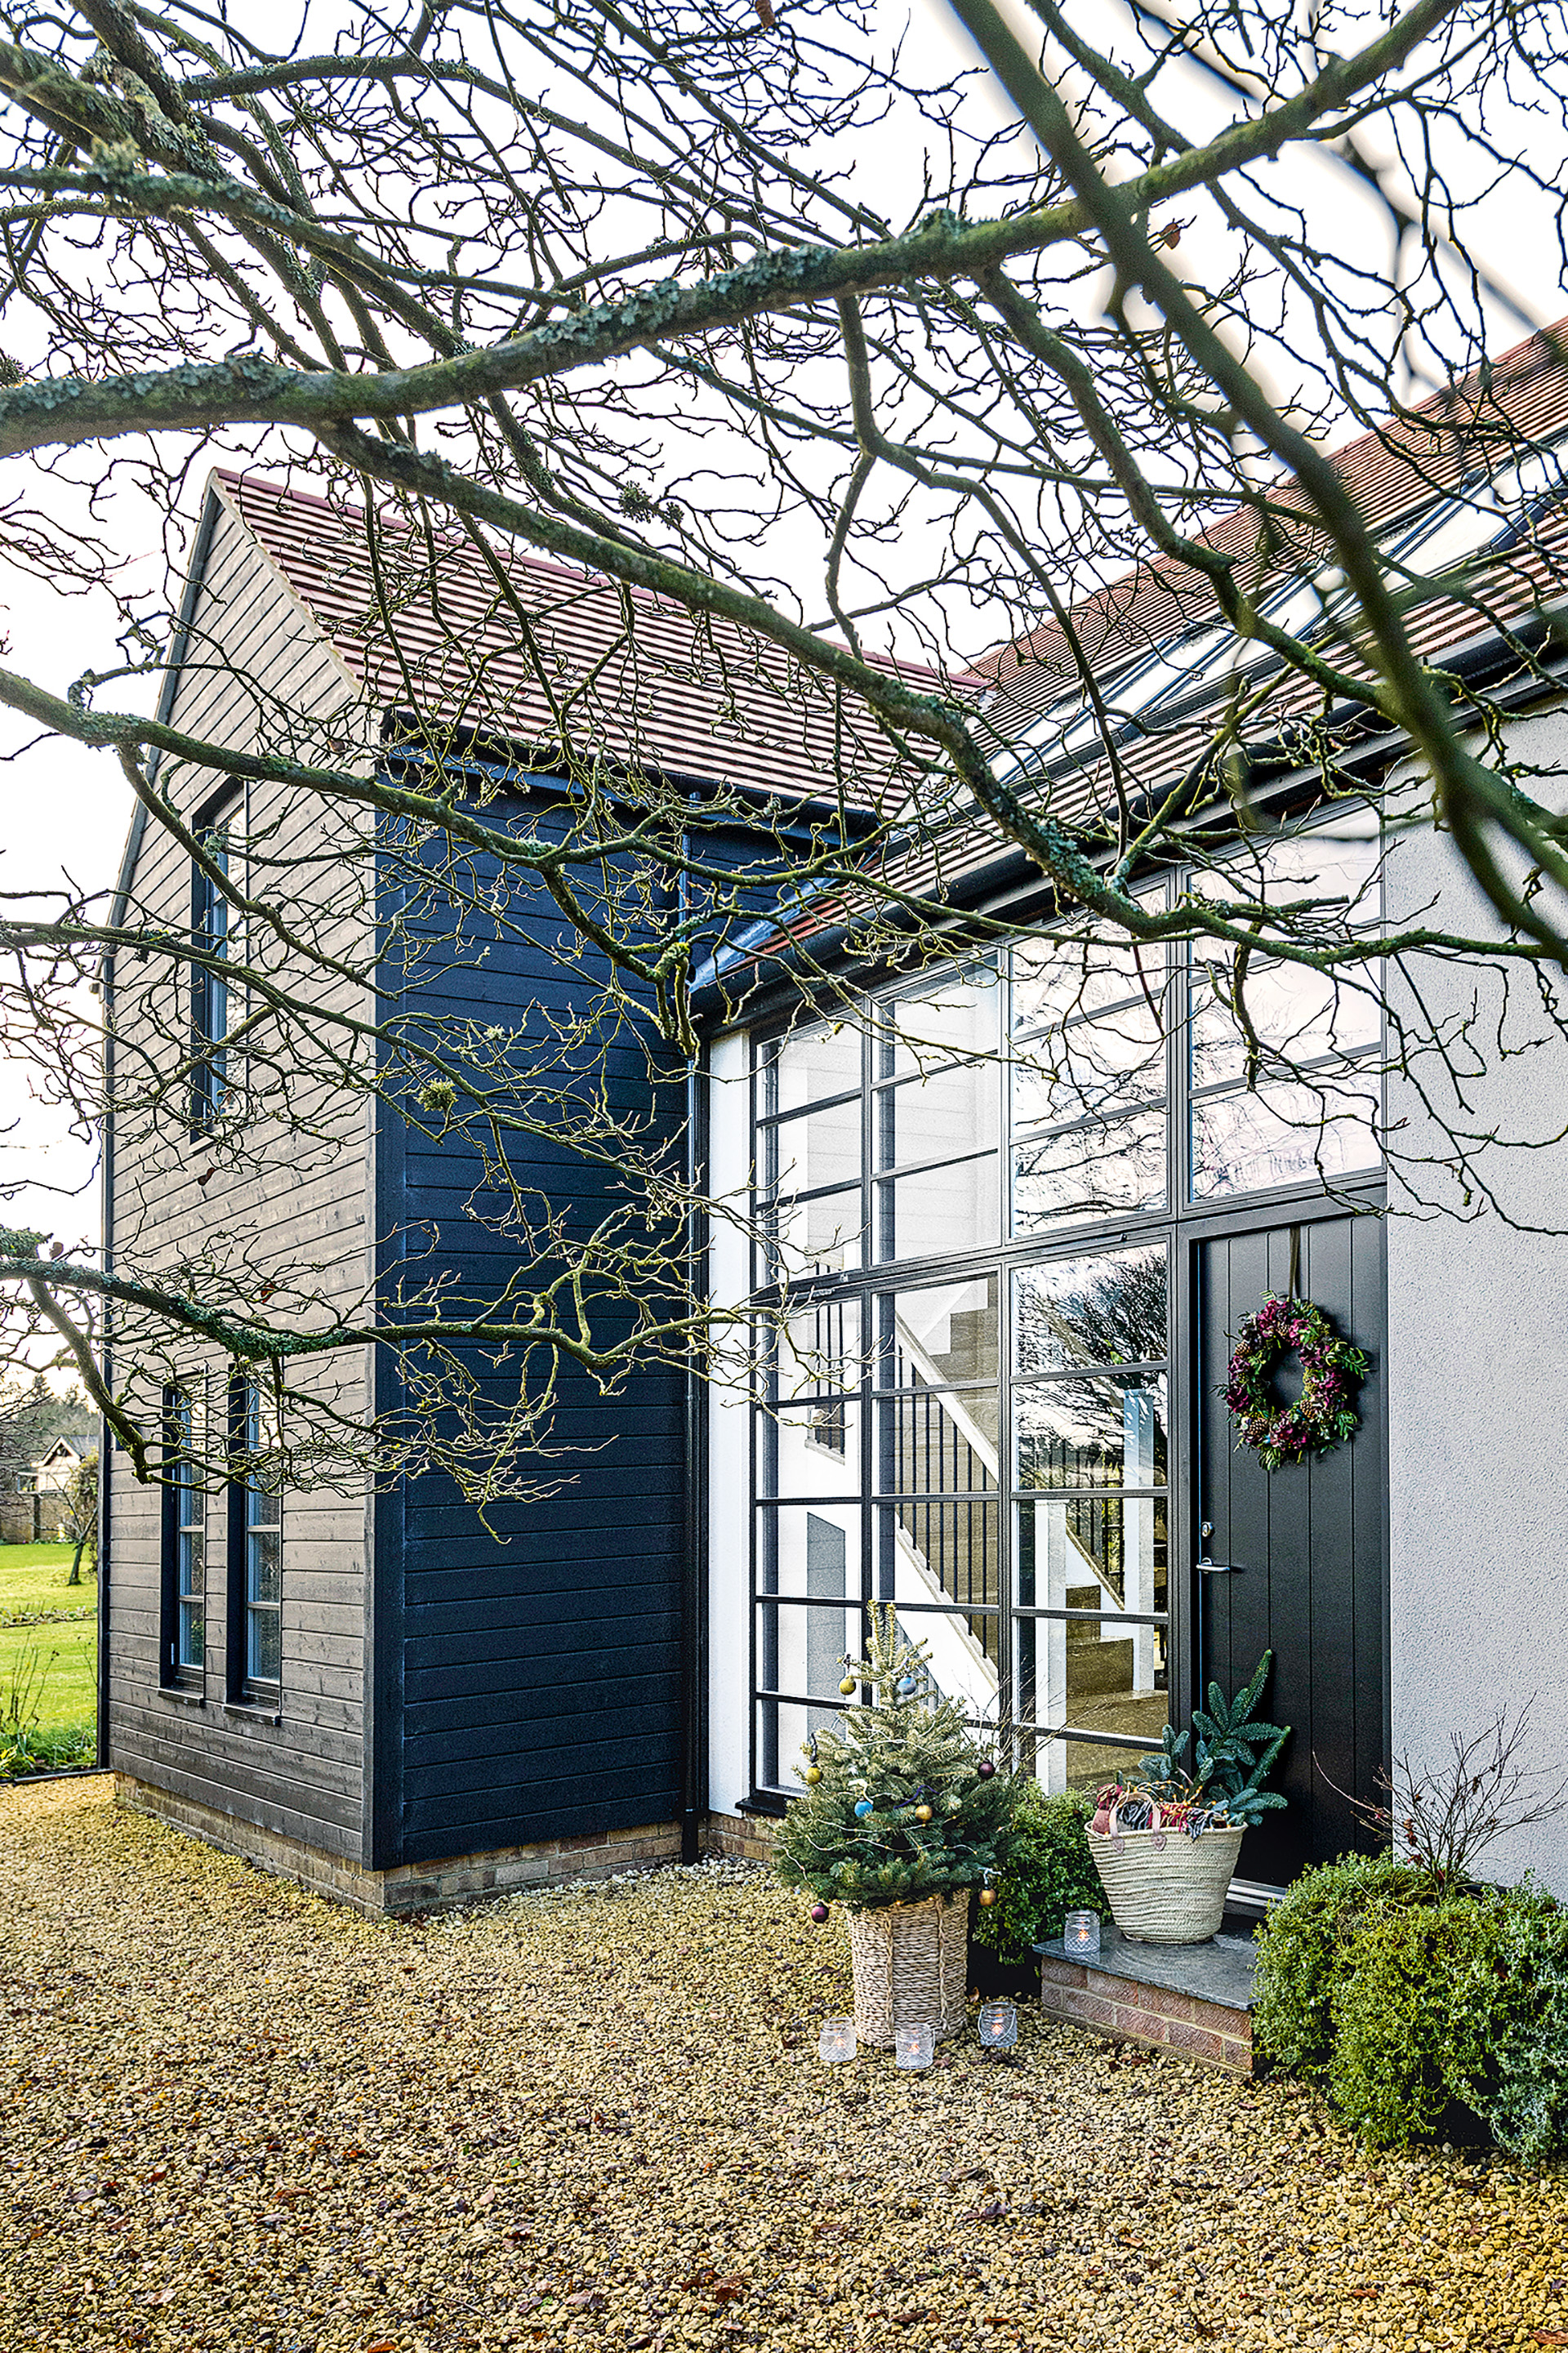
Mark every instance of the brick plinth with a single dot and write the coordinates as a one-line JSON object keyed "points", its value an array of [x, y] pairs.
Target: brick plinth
{"points": [[410, 1887], [746, 1838], [1179, 2023]]}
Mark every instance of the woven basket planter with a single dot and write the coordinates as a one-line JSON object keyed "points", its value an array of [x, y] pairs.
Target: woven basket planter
{"points": [[1162, 1887], [909, 1967]]}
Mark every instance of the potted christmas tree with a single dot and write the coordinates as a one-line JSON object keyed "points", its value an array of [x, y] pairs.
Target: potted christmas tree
{"points": [[902, 1816]]}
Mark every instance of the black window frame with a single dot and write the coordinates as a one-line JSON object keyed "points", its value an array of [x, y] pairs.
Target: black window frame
{"points": [[211, 998], [1175, 1224], [245, 1688], [181, 1534]]}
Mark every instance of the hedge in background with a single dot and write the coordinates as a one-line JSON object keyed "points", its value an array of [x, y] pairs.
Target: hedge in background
{"points": [[1049, 1873], [1405, 2002]]}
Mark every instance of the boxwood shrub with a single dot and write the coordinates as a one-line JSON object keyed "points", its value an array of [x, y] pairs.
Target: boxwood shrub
{"points": [[1049, 1874], [1417, 2006]]}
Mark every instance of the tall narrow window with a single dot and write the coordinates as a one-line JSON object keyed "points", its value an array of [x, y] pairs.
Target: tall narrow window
{"points": [[184, 1542], [263, 1554], [209, 979]]}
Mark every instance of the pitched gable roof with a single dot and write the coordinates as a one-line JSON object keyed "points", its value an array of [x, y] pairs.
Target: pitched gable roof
{"points": [[546, 654]]}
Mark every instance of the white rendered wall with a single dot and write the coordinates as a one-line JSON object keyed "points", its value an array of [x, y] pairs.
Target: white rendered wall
{"points": [[1477, 1321]]}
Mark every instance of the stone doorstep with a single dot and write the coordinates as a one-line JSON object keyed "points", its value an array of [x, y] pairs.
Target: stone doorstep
{"points": [[1192, 1998]]}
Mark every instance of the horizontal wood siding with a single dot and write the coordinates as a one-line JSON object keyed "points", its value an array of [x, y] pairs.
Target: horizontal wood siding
{"points": [[257, 674], [540, 1675]]}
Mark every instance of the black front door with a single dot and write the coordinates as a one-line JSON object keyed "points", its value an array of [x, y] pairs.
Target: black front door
{"points": [[1303, 1547]]}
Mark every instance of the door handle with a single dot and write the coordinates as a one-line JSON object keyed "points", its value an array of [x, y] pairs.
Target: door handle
{"points": [[1219, 1567]]}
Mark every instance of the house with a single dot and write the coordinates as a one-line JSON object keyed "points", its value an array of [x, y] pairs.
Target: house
{"points": [[1017, 1272], [54, 1469]]}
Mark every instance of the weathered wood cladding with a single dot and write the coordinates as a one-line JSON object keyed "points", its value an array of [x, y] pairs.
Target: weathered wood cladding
{"points": [[256, 674], [537, 1678]]}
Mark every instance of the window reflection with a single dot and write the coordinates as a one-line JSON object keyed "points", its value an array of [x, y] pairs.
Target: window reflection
{"points": [[921, 1032], [1299, 1101], [809, 1064], [1086, 1433], [939, 1211], [1285, 1134], [818, 1147], [821, 1235], [1092, 1069], [951, 1114], [1108, 1308], [1082, 1173]]}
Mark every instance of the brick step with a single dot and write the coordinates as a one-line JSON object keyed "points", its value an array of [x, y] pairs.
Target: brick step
{"points": [[1194, 1999]]}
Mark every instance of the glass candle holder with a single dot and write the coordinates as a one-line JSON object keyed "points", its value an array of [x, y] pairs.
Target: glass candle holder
{"points": [[1080, 1932], [914, 2046], [998, 2025], [837, 2039]]}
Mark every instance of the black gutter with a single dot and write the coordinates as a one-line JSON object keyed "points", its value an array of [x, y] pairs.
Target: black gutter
{"points": [[201, 547]]}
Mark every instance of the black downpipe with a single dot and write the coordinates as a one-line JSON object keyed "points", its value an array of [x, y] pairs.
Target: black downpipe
{"points": [[105, 1447], [694, 1596]]}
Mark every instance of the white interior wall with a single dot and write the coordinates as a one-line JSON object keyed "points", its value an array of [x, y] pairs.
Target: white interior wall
{"points": [[1477, 1314]]}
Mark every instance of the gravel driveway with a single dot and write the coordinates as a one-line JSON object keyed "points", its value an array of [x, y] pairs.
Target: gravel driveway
{"points": [[238, 2117]]}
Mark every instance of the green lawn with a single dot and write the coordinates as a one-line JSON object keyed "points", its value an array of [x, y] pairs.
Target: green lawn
{"points": [[49, 1669]]}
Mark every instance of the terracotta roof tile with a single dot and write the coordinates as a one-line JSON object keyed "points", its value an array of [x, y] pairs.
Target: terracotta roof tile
{"points": [[625, 675]]}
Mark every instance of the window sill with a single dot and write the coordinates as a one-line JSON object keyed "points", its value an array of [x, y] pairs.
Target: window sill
{"points": [[253, 1711], [766, 1807], [186, 1695]]}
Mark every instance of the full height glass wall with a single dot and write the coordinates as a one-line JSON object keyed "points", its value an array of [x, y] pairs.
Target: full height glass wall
{"points": [[969, 1199]]}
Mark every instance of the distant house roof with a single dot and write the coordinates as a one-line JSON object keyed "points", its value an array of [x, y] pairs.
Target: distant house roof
{"points": [[547, 653]]}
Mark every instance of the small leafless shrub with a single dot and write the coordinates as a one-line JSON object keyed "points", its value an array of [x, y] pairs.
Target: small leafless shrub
{"points": [[1442, 1820]]}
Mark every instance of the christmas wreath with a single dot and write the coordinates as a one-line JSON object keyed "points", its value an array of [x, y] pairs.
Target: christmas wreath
{"points": [[1324, 1415]]}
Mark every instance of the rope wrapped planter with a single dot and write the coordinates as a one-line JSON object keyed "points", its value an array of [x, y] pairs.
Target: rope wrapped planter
{"points": [[911, 1964], [1164, 1888]]}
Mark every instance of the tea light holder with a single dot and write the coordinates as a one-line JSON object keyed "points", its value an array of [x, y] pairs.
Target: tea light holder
{"points": [[837, 2041], [914, 2046], [998, 2026], [1080, 1932]]}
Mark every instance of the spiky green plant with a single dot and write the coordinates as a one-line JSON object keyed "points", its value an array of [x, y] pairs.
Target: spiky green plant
{"points": [[1233, 1757], [900, 1752]]}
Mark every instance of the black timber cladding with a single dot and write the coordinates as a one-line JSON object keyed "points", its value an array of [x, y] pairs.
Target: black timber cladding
{"points": [[529, 1688]]}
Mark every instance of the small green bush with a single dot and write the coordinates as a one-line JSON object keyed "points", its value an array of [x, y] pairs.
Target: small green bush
{"points": [[1406, 2000], [1305, 1946], [1507, 2047], [1392, 2010], [1048, 1873], [28, 1750]]}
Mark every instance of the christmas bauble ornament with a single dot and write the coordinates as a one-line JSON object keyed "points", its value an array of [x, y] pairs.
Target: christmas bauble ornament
{"points": [[907, 1687], [812, 1776], [847, 1686], [923, 1813], [862, 1807], [819, 1913], [987, 1770], [988, 1896]]}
